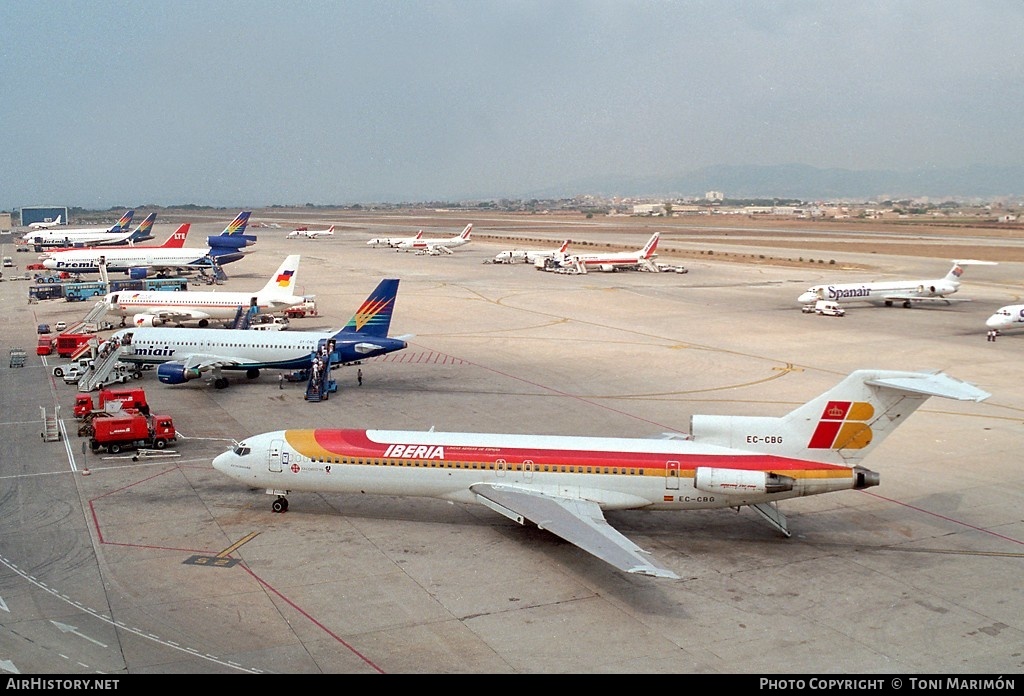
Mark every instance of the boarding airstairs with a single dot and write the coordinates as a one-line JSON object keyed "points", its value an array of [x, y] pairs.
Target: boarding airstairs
{"points": [[92, 319], [243, 317], [321, 385], [103, 368], [51, 425]]}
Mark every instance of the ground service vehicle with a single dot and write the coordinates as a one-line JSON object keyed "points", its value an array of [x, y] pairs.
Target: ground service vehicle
{"points": [[306, 309], [826, 308], [128, 398], [45, 345], [68, 344], [132, 431]]}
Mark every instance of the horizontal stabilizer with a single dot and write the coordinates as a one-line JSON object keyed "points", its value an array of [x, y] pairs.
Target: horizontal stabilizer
{"points": [[937, 384]]}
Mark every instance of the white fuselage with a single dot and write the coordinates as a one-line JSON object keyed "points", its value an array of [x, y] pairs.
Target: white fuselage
{"points": [[125, 259], [200, 305], [1008, 317], [616, 473], [880, 291]]}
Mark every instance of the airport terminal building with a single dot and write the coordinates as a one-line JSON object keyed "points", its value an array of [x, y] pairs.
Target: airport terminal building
{"points": [[43, 213]]}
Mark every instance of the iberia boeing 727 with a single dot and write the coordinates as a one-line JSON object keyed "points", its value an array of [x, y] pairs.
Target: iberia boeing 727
{"points": [[564, 484]]}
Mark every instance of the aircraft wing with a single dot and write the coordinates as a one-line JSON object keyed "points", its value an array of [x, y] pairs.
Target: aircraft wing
{"points": [[580, 522], [910, 297], [176, 316], [203, 363]]}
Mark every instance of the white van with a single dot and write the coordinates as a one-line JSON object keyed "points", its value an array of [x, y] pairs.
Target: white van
{"points": [[826, 308]]}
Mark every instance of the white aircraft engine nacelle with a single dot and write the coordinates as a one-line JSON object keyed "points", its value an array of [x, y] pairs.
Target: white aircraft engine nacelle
{"points": [[145, 320], [740, 481]]}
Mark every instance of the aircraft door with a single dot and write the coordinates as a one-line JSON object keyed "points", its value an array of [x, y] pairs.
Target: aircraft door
{"points": [[276, 459], [528, 470], [672, 476]]}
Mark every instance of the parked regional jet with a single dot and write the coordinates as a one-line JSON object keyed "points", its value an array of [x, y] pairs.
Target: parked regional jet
{"points": [[44, 225], [224, 248], [141, 233], [564, 484], [119, 233], [159, 307], [530, 255], [185, 354], [888, 292], [311, 234], [1006, 318], [393, 242], [437, 246], [614, 261]]}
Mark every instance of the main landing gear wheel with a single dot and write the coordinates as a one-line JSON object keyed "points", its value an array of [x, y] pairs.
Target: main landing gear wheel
{"points": [[280, 505], [221, 383]]}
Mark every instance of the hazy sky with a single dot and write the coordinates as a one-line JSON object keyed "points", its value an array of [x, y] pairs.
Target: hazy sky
{"points": [[255, 103]]}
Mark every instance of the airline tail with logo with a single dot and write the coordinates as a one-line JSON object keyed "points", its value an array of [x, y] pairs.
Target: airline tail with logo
{"points": [[842, 425], [144, 231], [233, 236], [373, 318], [177, 238], [282, 283], [124, 224]]}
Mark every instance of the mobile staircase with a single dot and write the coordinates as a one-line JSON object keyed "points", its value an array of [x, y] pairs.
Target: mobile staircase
{"points": [[51, 430], [244, 316], [103, 367], [321, 385], [91, 321]]}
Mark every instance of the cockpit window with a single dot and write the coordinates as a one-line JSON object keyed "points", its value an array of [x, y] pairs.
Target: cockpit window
{"points": [[240, 450]]}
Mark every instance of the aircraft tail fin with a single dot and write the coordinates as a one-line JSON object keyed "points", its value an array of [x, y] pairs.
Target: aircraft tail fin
{"points": [[145, 229], [649, 248], [238, 225], [124, 223], [177, 238], [419, 235], [57, 221], [373, 318], [282, 282], [565, 246], [467, 230], [842, 425]]}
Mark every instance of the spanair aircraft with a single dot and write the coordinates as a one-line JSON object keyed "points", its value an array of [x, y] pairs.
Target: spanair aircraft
{"points": [[83, 236], [311, 234], [185, 354], [1006, 318], [224, 248], [614, 261], [905, 292], [142, 233], [437, 246], [44, 225], [393, 242], [564, 484], [159, 307], [530, 255]]}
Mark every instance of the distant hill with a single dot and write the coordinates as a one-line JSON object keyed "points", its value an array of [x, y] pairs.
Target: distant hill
{"points": [[806, 183]]}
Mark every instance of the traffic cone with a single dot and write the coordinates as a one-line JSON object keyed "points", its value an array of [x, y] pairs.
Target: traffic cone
{"points": [[85, 471]]}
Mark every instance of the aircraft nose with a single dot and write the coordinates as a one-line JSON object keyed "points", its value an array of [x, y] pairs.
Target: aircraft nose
{"points": [[995, 322], [220, 462], [807, 297]]}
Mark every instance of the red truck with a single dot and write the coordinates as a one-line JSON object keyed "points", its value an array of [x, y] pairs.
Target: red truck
{"points": [[45, 345], [134, 399], [132, 431], [69, 343]]}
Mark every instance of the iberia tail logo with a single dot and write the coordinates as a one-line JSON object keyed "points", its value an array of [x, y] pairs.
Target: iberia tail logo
{"points": [[843, 425]]}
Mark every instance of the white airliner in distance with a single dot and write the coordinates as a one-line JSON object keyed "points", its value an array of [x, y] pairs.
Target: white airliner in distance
{"points": [[530, 255], [78, 240], [159, 307], [437, 246], [889, 292], [393, 242], [1007, 318], [66, 237], [564, 484], [185, 354], [44, 225], [614, 261], [311, 234]]}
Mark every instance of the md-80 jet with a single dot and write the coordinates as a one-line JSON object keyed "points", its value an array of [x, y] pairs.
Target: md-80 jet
{"points": [[888, 292], [159, 307], [393, 242], [565, 483], [311, 234], [186, 354], [609, 261]]}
